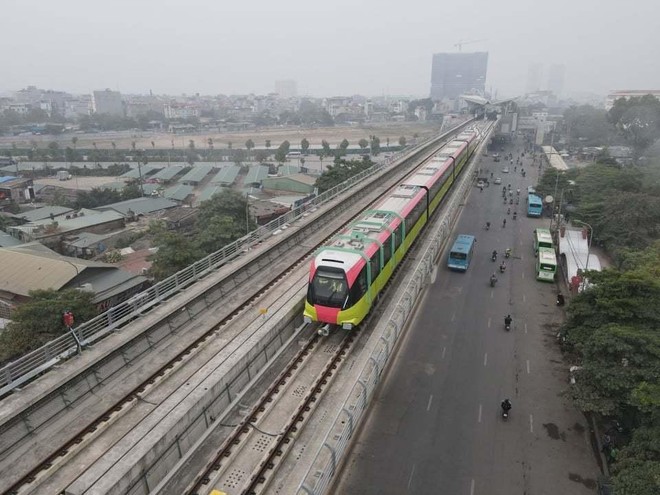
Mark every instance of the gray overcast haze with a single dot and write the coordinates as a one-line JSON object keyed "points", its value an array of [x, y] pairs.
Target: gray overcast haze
{"points": [[330, 48]]}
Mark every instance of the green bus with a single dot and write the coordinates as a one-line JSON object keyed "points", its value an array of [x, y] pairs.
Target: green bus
{"points": [[542, 239], [546, 265]]}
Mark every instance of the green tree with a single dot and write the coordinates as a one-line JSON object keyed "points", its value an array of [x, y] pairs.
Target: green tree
{"points": [[249, 145], [326, 148], [375, 145], [637, 120], [267, 144], [304, 145], [402, 141], [239, 156], [587, 126], [209, 142], [131, 190], [344, 144], [341, 171], [40, 319], [363, 143], [280, 155], [191, 144], [175, 252]]}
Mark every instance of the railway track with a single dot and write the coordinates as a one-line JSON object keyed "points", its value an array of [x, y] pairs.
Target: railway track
{"points": [[134, 400], [264, 438]]}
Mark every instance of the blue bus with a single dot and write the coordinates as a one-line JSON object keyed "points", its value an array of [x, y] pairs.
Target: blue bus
{"points": [[534, 205], [461, 253]]}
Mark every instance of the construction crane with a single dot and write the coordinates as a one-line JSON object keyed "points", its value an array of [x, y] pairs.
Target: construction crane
{"points": [[464, 42]]}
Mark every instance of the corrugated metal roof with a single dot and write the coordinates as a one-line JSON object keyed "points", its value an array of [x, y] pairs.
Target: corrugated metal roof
{"points": [[144, 170], [256, 174], [208, 192], [196, 174], [23, 269], [226, 176], [167, 173], [288, 170], [302, 178], [80, 222], [7, 240], [139, 206], [45, 212], [178, 193]]}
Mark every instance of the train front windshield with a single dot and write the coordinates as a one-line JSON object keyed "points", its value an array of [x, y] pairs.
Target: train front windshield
{"points": [[328, 288]]}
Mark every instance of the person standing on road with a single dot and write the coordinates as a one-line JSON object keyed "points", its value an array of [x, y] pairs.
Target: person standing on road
{"points": [[504, 223]]}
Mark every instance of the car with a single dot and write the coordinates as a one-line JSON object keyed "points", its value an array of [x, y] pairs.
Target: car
{"points": [[481, 184], [498, 180], [496, 157], [505, 170]]}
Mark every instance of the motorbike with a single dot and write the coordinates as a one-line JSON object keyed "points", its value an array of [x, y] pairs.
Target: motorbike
{"points": [[560, 300], [511, 201], [493, 281], [507, 325], [515, 215], [502, 268], [507, 253], [505, 414], [493, 257], [487, 225]]}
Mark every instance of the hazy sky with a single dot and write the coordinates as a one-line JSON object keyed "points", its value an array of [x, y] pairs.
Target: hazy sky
{"points": [[329, 47]]}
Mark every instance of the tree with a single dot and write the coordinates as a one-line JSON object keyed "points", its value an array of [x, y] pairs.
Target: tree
{"points": [[53, 146], [363, 143], [267, 144], [344, 144], [229, 145], [341, 171], [280, 155], [175, 252], [326, 148], [402, 141], [153, 145], [209, 142], [375, 145], [131, 190], [261, 156], [637, 120], [249, 145], [239, 156], [286, 145], [587, 125], [97, 197], [304, 145], [223, 218], [40, 319], [191, 144], [113, 144]]}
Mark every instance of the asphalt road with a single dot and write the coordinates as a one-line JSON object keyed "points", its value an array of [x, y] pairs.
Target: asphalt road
{"points": [[435, 425]]}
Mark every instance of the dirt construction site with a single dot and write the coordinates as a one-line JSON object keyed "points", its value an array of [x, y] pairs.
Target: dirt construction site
{"points": [[163, 140]]}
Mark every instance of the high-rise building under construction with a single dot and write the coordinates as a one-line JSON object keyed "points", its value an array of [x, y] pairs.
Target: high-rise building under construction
{"points": [[454, 74]]}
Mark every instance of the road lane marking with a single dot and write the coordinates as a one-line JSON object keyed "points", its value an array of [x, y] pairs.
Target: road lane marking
{"points": [[444, 349], [525, 327], [531, 424], [528, 366], [472, 487], [485, 359], [480, 409], [428, 407], [412, 473], [524, 298], [453, 317], [522, 275], [491, 293], [488, 322]]}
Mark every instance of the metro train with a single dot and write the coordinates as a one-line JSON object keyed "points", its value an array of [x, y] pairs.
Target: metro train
{"points": [[348, 273]]}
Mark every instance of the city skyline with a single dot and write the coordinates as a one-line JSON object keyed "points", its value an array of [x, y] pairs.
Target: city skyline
{"points": [[171, 47]]}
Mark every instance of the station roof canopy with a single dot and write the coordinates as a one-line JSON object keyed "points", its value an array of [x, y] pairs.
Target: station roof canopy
{"points": [[135, 173], [555, 159], [139, 206], [289, 170]]}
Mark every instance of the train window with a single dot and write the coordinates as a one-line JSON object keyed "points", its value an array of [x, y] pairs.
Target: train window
{"points": [[375, 265], [398, 236], [387, 250], [359, 288]]}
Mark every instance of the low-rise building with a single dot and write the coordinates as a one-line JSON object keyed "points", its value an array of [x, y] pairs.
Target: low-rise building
{"points": [[33, 266]]}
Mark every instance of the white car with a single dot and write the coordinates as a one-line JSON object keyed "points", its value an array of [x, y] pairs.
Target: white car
{"points": [[505, 170], [498, 180], [481, 184]]}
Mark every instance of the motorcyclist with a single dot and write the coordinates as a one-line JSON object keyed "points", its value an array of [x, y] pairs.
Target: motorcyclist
{"points": [[493, 279], [508, 320], [507, 253], [502, 267], [515, 215], [508, 211], [506, 405], [518, 192], [487, 225], [504, 223], [494, 255]]}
